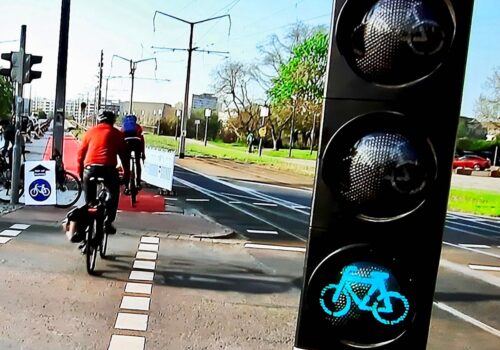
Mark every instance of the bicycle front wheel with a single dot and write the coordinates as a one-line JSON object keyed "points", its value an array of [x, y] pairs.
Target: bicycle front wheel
{"points": [[396, 313], [69, 190], [91, 247]]}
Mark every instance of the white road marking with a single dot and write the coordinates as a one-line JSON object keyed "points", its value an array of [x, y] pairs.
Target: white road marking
{"points": [[20, 226], [482, 223], [235, 202], [126, 342], [301, 207], [483, 276], [4, 240], [266, 204], [258, 194], [484, 267], [264, 232], [202, 190], [197, 200], [144, 265], [472, 233], [302, 189], [467, 318], [135, 303], [146, 239], [141, 276], [472, 226], [138, 288], [160, 213], [10, 233], [170, 199], [146, 255], [133, 322], [274, 247], [148, 247], [478, 246], [472, 250]]}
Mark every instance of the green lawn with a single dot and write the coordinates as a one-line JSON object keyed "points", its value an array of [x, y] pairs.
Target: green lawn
{"points": [[474, 202], [237, 152]]}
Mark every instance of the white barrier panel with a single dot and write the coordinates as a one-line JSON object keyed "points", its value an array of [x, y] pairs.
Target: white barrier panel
{"points": [[159, 168], [40, 182]]}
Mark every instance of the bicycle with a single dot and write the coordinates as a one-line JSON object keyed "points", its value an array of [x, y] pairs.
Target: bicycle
{"points": [[6, 180], [68, 185], [133, 180], [344, 295], [96, 237]]}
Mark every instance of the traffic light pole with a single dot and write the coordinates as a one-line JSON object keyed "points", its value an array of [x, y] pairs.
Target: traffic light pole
{"points": [[133, 67], [17, 150], [58, 135], [100, 80]]}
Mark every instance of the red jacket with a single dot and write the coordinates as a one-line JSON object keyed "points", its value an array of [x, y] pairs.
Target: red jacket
{"points": [[101, 145]]}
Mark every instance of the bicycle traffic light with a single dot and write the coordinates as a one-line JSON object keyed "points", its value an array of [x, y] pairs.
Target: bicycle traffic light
{"points": [[14, 72], [29, 74], [383, 174]]}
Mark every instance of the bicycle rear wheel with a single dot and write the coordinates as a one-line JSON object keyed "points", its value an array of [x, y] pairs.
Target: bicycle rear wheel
{"points": [[69, 190], [91, 248], [133, 185], [103, 246]]}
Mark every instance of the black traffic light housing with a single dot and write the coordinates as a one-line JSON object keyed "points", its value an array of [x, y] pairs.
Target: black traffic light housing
{"points": [[15, 65], [30, 74], [393, 96]]}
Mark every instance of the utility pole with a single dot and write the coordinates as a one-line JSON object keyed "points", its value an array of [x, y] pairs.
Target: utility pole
{"points": [[17, 150], [133, 67], [62, 63], [100, 80], [190, 50], [178, 114]]}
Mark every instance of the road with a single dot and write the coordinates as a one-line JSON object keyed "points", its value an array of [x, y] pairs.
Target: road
{"points": [[158, 291], [268, 216]]}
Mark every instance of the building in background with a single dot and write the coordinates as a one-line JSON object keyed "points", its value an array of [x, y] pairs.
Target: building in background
{"points": [[148, 113], [204, 101]]}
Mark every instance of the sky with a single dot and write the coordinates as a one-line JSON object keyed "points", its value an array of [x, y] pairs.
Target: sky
{"points": [[126, 28]]}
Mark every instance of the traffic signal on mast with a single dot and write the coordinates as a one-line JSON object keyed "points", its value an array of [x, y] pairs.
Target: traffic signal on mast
{"points": [[396, 67], [29, 61], [14, 72]]}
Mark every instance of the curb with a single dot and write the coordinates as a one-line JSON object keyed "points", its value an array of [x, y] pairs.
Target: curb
{"points": [[212, 238]]}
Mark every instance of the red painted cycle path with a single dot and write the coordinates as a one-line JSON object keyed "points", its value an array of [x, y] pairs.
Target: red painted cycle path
{"points": [[146, 201]]}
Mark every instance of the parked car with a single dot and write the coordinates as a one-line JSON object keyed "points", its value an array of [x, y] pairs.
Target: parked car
{"points": [[471, 161]]}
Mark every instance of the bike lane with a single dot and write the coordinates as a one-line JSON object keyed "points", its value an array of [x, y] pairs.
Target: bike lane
{"points": [[147, 200]]}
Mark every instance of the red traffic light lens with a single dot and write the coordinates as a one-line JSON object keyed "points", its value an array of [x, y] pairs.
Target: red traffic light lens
{"points": [[395, 42]]}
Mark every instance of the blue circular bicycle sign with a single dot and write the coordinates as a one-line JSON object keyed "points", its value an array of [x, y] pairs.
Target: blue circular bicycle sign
{"points": [[40, 190]]}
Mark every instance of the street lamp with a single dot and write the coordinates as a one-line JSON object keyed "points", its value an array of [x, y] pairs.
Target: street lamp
{"points": [[264, 112], [208, 114], [133, 67]]}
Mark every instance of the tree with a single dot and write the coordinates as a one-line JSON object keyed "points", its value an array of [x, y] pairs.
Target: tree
{"points": [[233, 81], [487, 107], [300, 84], [6, 94]]}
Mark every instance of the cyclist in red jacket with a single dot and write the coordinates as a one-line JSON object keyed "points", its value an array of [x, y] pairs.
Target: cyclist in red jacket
{"points": [[97, 157]]}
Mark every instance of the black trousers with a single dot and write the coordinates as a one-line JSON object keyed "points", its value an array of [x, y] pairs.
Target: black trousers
{"points": [[111, 182]]}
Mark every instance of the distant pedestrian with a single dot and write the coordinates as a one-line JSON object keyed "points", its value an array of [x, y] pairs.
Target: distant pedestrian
{"points": [[250, 140]]}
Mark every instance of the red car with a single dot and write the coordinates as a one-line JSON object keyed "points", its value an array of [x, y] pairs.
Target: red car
{"points": [[471, 161]]}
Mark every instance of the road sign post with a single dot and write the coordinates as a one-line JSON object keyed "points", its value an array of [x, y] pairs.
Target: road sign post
{"points": [[208, 114], [384, 172], [197, 124], [264, 113]]}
